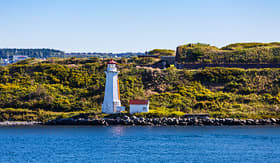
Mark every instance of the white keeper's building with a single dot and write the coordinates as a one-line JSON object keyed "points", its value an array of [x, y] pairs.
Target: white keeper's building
{"points": [[138, 106]]}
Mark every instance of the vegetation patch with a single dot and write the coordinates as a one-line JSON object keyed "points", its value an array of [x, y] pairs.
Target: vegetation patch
{"points": [[239, 53], [47, 89]]}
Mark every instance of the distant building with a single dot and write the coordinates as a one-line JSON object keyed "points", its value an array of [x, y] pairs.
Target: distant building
{"points": [[138, 106], [19, 58], [5, 61]]}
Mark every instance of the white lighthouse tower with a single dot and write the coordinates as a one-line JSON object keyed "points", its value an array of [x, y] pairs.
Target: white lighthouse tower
{"points": [[111, 103]]}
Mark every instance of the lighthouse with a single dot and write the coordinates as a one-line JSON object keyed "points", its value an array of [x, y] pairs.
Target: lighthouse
{"points": [[111, 103]]}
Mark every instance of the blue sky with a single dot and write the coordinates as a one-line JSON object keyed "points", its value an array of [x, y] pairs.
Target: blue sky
{"points": [[130, 25]]}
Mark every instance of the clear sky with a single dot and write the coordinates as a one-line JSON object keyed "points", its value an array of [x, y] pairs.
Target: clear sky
{"points": [[135, 25]]}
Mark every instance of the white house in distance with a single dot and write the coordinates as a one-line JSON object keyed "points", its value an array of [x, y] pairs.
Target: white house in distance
{"points": [[138, 106], [112, 103], [19, 58]]}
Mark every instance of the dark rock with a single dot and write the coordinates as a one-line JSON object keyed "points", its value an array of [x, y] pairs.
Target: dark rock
{"points": [[273, 120], [126, 120], [82, 121], [112, 121], [95, 122], [262, 121], [207, 121], [136, 121], [250, 122], [183, 123], [126, 117], [156, 121], [267, 121], [278, 121], [133, 117], [256, 122]]}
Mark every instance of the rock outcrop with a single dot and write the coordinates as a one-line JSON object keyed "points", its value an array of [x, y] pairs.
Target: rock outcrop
{"points": [[126, 120]]}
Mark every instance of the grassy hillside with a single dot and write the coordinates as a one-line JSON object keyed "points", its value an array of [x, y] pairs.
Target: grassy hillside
{"points": [[53, 88], [162, 52], [233, 53]]}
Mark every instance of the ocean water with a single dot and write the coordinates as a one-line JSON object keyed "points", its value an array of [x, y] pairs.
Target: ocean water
{"points": [[139, 144]]}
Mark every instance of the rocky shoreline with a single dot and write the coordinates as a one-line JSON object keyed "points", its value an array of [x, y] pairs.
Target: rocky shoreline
{"points": [[19, 123], [141, 121]]}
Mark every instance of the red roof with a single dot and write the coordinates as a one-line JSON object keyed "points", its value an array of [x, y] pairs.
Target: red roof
{"points": [[112, 62], [139, 102]]}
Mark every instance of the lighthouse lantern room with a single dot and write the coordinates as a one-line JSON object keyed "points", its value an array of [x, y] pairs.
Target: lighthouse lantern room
{"points": [[112, 103]]}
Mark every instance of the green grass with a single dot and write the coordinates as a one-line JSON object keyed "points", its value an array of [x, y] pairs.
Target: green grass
{"points": [[239, 53]]}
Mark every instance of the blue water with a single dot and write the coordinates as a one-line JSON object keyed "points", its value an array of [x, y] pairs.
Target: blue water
{"points": [[139, 144]]}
